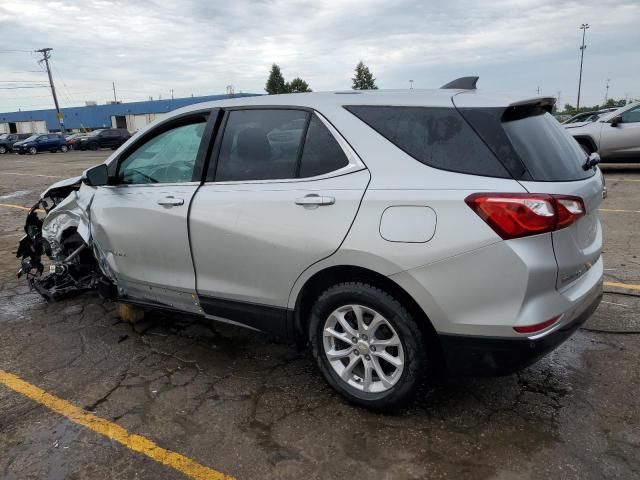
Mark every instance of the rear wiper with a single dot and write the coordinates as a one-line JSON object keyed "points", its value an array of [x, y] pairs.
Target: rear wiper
{"points": [[591, 161]]}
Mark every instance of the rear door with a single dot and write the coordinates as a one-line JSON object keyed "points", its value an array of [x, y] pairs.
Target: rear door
{"points": [[544, 158], [281, 193]]}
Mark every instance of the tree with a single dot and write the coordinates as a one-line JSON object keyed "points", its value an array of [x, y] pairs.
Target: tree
{"points": [[363, 79], [275, 82], [298, 85]]}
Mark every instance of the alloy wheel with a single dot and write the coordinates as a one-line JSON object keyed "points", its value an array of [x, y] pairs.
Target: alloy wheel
{"points": [[363, 348]]}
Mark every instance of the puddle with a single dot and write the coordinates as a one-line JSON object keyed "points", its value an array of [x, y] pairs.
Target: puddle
{"points": [[19, 193]]}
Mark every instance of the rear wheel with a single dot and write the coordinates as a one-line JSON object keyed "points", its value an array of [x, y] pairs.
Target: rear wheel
{"points": [[64, 149], [367, 345]]}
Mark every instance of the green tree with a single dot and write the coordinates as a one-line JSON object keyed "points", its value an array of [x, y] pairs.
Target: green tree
{"points": [[363, 79], [298, 85], [275, 82]]}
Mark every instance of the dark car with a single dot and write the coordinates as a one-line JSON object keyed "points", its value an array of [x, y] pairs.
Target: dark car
{"points": [[41, 142], [105, 138], [8, 139]]}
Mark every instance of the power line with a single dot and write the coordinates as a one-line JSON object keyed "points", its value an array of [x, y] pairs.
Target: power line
{"points": [[26, 86]]}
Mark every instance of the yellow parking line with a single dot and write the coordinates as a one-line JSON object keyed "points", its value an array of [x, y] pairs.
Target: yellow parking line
{"points": [[617, 210], [19, 207], [628, 286], [103, 427], [31, 175]]}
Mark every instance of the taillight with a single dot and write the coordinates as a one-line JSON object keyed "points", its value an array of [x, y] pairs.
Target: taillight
{"points": [[515, 215]]}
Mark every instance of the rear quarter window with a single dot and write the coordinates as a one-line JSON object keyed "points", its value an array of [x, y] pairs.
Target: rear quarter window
{"points": [[435, 136], [531, 143]]}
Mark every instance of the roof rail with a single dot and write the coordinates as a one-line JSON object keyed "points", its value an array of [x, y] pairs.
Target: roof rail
{"points": [[464, 83]]}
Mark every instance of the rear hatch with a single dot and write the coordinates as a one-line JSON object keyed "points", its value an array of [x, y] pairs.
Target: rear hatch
{"points": [[544, 158]]}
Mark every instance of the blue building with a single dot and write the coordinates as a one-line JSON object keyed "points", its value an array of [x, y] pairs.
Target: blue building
{"points": [[132, 115]]}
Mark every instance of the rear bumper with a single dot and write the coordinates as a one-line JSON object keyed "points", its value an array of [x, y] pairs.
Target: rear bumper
{"points": [[490, 356]]}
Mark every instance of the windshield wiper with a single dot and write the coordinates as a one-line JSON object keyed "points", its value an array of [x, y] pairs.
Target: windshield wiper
{"points": [[591, 161]]}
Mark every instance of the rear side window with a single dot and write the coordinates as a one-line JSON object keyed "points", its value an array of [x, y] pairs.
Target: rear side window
{"points": [[261, 145], [321, 153], [437, 137], [276, 144], [531, 143]]}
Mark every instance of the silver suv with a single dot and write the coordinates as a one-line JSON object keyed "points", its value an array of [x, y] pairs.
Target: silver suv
{"points": [[615, 136], [395, 232]]}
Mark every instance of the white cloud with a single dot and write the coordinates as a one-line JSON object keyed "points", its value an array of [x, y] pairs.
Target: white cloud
{"points": [[200, 46]]}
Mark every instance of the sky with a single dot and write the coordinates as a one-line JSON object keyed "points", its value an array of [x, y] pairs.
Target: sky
{"points": [[149, 48]]}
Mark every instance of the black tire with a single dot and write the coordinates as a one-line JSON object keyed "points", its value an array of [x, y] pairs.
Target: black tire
{"points": [[64, 149], [416, 351], [33, 150], [3, 149], [93, 146]]}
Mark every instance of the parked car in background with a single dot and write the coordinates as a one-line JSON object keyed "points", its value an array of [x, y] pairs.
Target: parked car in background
{"points": [[73, 138], [51, 142], [103, 138], [587, 117], [615, 136], [8, 139], [396, 233]]}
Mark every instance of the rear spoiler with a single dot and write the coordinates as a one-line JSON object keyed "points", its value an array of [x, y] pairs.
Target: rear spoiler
{"points": [[527, 108], [545, 103]]}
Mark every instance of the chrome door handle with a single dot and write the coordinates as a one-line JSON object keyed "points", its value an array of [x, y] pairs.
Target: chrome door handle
{"points": [[171, 201], [314, 199]]}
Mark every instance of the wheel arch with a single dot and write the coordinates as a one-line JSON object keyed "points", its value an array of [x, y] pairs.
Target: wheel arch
{"points": [[335, 274]]}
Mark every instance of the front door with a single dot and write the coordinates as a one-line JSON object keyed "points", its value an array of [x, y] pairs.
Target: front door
{"points": [[139, 224], [282, 197]]}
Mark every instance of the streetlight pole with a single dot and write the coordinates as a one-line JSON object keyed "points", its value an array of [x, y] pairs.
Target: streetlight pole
{"points": [[583, 27]]}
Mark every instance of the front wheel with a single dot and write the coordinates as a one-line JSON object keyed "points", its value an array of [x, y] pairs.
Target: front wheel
{"points": [[367, 345], [33, 150], [93, 146], [3, 149]]}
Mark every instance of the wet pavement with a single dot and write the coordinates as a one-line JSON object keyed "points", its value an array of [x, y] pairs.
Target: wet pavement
{"points": [[255, 407]]}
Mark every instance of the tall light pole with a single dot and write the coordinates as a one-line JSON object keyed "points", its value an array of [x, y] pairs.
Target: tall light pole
{"points": [[46, 54], [583, 27], [606, 95]]}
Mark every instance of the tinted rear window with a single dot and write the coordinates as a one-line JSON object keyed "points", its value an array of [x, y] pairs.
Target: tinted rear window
{"points": [[438, 137], [530, 143]]}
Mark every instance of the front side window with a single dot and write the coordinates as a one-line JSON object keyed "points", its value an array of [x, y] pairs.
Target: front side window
{"points": [[169, 157], [261, 144], [631, 116]]}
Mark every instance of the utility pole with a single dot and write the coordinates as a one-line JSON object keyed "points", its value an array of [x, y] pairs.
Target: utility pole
{"points": [[583, 27], [538, 90], [115, 99], [172, 94], [45, 58], [410, 84], [606, 94]]}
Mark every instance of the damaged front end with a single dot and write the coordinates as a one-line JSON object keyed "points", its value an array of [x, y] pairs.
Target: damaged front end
{"points": [[62, 235]]}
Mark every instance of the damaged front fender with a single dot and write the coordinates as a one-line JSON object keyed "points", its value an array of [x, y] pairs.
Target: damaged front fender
{"points": [[63, 235]]}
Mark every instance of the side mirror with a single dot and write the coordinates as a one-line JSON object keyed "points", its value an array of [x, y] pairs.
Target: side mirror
{"points": [[96, 176], [615, 121]]}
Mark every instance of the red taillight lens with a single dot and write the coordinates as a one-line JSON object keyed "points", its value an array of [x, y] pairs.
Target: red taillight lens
{"points": [[569, 209], [515, 215], [538, 326]]}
